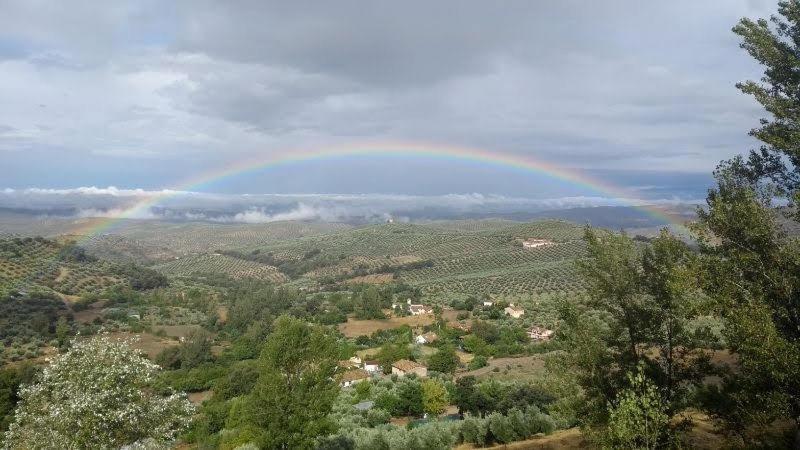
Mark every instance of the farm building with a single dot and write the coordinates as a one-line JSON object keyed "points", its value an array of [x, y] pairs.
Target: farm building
{"points": [[352, 377], [540, 334], [536, 243], [417, 310], [426, 338], [356, 361], [404, 367], [488, 303], [372, 366], [514, 311]]}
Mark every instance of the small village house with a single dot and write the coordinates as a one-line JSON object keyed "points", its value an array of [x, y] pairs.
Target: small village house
{"points": [[540, 334], [405, 367], [417, 310], [356, 361], [514, 311], [372, 366], [354, 376], [426, 338]]}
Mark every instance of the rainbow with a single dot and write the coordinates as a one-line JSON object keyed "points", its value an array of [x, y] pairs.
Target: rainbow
{"points": [[519, 162]]}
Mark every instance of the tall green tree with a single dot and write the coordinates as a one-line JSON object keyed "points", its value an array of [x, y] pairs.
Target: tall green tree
{"points": [[291, 401], [642, 300], [751, 265]]}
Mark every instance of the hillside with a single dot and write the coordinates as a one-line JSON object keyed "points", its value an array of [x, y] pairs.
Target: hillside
{"points": [[60, 267], [464, 257]]}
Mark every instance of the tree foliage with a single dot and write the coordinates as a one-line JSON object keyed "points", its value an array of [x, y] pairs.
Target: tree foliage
{"points": [[751, 266], [97, 395], [645, 297], [290, 402]]}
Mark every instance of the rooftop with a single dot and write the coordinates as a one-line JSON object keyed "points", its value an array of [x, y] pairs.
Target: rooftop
{"points": [[405, 365]]}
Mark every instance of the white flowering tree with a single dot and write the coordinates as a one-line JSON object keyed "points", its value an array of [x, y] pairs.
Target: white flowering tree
{"points": [[99, 394]]}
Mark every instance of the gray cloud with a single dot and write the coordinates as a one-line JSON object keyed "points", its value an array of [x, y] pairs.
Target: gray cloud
{"points": [[620, 84]]}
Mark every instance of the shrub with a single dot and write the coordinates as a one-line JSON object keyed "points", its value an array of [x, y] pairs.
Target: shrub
{"points": [[474, 430], [377, 416]]}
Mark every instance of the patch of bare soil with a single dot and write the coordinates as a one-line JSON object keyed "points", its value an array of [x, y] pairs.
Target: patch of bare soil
{"points": [[355, 327]]}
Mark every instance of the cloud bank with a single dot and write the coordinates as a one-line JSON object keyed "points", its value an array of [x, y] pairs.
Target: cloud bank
{"points": [[111, 202], [153, 92]]}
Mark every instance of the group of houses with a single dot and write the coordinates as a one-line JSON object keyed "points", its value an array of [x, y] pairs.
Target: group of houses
{"points": [[414, 308], [358, 370]]}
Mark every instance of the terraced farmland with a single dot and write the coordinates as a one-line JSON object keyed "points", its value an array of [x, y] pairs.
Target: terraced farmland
{"points": [[38, 263], [217, 263], [451, 257], [468, 260]]}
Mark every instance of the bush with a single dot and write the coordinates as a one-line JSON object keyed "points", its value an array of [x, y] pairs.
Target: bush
{"points": [[377, 416], [477, 362], [474, 430], [501, 428]]}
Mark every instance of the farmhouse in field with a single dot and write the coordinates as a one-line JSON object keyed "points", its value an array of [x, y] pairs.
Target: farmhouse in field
{"points": [[426, 338], [537, 243], [372, 366], [354, 376], [514, 311], [405, 367], [417, 310], [540, 334]]}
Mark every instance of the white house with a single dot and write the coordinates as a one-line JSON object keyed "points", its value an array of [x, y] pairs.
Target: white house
{"points": [[405, 367], [352, 377], [372, 366], [488, 303], [426, 338]]}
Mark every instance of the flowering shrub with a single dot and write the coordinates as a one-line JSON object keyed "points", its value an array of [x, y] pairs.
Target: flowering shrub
{"points": [[97, 395]]}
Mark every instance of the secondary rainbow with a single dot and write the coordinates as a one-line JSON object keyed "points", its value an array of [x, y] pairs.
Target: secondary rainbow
{"points": [[273, 160]]}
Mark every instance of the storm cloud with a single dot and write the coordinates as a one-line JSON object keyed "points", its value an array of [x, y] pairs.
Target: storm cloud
{"points": [[149, 93]]}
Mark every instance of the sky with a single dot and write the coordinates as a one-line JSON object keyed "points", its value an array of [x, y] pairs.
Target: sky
{"points": [[148, 94]]}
